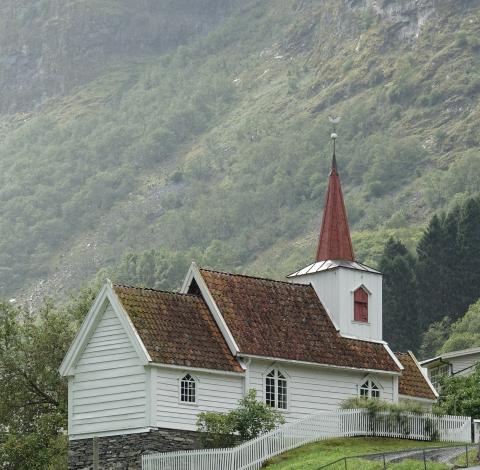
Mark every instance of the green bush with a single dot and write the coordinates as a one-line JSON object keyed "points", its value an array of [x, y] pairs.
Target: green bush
{"points": [[251, 419], [460, 395], [218, 429], [392, 414]]}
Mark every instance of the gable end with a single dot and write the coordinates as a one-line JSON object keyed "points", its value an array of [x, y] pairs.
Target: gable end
{"points": [[105, 298]]}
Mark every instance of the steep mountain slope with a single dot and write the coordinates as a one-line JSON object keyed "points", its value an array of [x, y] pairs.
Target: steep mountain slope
{"points": [[219, 148]]}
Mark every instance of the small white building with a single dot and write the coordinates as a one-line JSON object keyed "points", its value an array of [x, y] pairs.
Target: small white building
{"points": [[461, 362], [146, 362]]}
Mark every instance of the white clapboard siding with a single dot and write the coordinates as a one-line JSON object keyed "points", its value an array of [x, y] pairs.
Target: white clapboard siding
{"points": [[314, 389], [463, 365], [214, 392], [109, 386]]}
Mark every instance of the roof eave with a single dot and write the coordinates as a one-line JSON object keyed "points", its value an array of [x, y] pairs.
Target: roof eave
{"points": [[317, 364], [198, 369]]}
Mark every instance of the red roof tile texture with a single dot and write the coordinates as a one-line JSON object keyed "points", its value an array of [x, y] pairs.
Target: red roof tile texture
{"points": [[287, 321], [334, 242], [177, 328], [412, 382]]}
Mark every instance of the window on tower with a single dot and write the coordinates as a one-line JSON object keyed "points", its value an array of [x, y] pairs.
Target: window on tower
{"points": [[360, 307]]}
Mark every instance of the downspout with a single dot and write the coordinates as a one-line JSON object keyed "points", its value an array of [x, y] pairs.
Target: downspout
{"points": [[246, 383]]}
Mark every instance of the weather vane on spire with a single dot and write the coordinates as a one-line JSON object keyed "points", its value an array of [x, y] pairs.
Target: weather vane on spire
{"points": [[334, 120]]}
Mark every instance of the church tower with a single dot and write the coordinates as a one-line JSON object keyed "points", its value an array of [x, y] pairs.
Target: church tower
{"points": [[350, 291]]}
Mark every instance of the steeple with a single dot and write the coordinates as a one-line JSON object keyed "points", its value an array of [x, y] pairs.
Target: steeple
{"points": [[350, 291], [334, 242]]}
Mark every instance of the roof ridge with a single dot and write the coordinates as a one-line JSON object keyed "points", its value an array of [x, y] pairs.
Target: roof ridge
{"points": [[249, 276], [159, 291]]}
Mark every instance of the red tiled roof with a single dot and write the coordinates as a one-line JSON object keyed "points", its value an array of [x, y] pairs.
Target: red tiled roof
{"points": [[412, 382], [287, 321], [334, 242], [177, 328]]}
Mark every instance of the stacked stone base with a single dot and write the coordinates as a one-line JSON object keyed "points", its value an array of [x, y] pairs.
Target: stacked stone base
{"points": [[125, 452]]}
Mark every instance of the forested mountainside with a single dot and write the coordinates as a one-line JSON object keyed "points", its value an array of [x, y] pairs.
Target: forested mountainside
{"points": [[199, 129]]}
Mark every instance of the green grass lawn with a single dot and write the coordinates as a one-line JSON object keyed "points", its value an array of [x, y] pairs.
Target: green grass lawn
{"points": [[312, 456]]}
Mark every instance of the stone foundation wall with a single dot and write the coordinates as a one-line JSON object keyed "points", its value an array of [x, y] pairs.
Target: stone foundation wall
{"points": [[125, 452]]}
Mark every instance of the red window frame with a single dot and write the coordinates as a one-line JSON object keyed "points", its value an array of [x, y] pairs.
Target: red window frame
{"points": [[360, 305]]}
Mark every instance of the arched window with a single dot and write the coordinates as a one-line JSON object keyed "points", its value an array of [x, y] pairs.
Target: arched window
{"points": [[360, 308], [188, 389], [369, 389], [276, 390]]}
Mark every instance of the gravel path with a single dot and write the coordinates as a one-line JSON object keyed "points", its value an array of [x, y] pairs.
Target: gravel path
{"points": [[444, 455]]}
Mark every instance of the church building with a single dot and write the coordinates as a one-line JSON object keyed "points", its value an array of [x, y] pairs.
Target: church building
{"points": [[145, 362]]}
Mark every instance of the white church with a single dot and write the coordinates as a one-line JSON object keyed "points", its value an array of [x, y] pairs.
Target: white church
{"points": [[145, 363]]}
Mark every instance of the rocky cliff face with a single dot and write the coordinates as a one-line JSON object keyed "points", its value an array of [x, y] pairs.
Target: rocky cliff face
{"points": [[48, 47], [408, 16]]}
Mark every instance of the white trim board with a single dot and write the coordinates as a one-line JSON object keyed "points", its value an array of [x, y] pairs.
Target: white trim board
{"points": [[424, 374], [449, 355], [76, 437]]}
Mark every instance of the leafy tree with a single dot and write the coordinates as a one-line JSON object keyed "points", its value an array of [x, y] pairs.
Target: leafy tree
{"points": [[400, 315], [434, 338], [465, 332], [33, 403], [460, 394]]}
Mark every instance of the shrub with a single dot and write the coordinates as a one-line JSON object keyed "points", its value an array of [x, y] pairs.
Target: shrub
{"points": [[251, 419], [394, 415], [217, 429]]}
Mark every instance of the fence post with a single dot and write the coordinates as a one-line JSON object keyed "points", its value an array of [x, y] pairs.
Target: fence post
{"points": [[384, 463], [345, 460], [95, 453], [424, 460], [466, 454]]}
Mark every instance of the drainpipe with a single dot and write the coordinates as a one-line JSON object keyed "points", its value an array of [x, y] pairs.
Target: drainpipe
{"points": [[247, 376]]}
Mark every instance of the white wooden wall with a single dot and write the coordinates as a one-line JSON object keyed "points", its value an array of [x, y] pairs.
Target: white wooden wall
{"points": [[107, 392], [215, 392], [314, 389], [463, 362]]}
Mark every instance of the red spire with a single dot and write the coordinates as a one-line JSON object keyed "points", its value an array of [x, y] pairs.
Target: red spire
{"points": [[334, 241]]}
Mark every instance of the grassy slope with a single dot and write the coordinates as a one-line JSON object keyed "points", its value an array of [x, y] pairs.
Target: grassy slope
{"points": [[222, 145], [312, 456]]}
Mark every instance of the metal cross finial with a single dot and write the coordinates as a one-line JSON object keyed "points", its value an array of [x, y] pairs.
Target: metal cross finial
{"points": [[334, 120]]}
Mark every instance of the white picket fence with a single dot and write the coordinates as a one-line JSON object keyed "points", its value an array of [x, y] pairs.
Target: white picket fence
{"points": [[341, 423]]}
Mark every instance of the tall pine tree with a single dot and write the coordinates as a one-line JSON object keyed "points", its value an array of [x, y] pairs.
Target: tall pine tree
{"points": [[448, 266], [432, 274], [400, 319], [468, 260]]}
